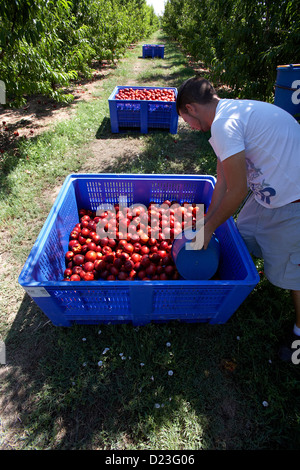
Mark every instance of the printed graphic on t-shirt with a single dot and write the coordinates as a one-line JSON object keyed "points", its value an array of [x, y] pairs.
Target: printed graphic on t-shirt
{"points": [[260, 188]]}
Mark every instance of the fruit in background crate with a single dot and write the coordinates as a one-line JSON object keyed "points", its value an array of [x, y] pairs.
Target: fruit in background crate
{"points": [[134, 252], [156, 94]]}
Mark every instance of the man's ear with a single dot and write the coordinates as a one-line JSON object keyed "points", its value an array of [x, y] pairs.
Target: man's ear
{"points": [[190, 108]]}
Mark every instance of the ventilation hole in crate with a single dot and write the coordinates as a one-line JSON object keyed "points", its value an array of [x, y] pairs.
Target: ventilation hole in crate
{"points": [[109, 192], [162, 191], [95, 195], [188, 194], [182, 301], [114, 190], [51, 263], [94, 301], [128, 108], [67, 216], [129, 114]]}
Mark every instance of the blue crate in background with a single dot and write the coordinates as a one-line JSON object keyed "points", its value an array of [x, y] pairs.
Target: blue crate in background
{"points": [[142, 115], [153, 50], [102, 301]]}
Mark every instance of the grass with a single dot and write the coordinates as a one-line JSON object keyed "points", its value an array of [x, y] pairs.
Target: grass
{"points": [[61, 391]]}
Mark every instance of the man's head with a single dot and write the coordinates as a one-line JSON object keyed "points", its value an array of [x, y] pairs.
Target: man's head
{"points": [[196, 102]]}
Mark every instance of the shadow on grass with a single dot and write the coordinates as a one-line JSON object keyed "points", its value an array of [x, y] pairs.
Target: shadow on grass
{"points": [[65, 399], [10, 160]]}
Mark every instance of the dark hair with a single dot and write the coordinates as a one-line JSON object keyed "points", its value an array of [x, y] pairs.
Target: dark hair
{"points": [[194, 90]]}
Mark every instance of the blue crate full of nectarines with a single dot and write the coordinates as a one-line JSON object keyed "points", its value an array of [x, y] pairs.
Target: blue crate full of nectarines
{"points": [[76, 277], [143, 109]]}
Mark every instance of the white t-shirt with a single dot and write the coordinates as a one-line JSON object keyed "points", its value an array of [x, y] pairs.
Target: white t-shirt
{"points": [[270, 137]]}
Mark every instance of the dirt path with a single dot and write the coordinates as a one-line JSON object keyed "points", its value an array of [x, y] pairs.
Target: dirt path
{"points": [[104, 151]]}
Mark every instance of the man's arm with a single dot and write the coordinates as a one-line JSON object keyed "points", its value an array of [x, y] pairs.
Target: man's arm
{"points": [[235, 178], [218, 193]]}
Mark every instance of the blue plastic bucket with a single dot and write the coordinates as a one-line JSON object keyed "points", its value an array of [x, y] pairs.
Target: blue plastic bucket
{"points": [[195, 264], [287, 89]]}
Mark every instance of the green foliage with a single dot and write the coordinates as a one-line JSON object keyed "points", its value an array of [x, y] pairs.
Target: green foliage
{"points": [[44, 43], [241, 41]]}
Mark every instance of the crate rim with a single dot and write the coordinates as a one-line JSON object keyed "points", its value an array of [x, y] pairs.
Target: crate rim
{"points": [[173, 176], [91, 285], [154, 45]]}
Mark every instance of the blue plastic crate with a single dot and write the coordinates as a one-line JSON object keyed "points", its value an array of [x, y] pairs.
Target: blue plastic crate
{"points": [[96, 302], [142, 115], [153, 50]]}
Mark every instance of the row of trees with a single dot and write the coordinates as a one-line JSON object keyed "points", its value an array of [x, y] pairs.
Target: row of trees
{"points": [[241, 41], [46, 43]]}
